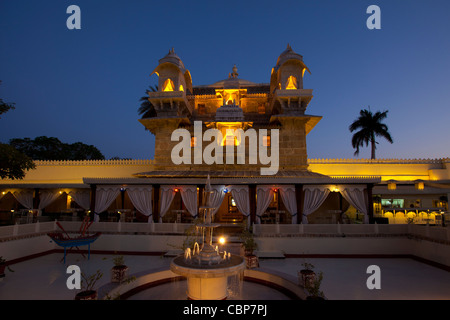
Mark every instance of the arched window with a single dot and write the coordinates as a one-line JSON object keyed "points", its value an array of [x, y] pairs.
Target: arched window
{"points": [[181, 88], [168, 85], [291, 83]]}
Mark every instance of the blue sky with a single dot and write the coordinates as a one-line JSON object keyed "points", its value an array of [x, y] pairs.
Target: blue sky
{"points": [[84, 85]]}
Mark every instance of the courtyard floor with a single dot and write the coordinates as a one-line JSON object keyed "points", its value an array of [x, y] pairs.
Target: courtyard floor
{"points": [[44, 278]]}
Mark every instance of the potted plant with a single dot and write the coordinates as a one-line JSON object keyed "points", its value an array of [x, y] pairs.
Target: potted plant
{"points": [[313, 288], [306, 276], [3, 266], [248, 242], [249, 245], [120, 271], [87, 285]]}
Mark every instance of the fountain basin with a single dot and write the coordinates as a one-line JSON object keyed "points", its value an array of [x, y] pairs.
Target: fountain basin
{"points": [[207, 282]]}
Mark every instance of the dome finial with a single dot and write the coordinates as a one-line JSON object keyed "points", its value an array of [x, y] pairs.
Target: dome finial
{"points": [[234, 74]]}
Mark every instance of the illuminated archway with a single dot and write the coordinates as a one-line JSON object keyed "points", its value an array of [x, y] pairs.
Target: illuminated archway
{"points": [[168, 85], [291, 83]]}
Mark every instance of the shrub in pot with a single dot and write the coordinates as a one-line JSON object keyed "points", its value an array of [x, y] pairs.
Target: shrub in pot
{"points": [[313, 289], [87, 286], [306, 276], [120, 271]]}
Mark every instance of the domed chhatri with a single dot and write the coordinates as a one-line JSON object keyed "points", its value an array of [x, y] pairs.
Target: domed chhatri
{"points": [[207, 269]]}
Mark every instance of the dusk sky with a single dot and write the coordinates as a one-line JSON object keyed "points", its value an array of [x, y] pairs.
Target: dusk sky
{"points": [[85, 85]]}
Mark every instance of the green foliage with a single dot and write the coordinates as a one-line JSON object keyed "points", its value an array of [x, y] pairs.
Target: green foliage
{"points": [[370, 126], [119, 261], [13, 163], [146, 110], [248, 240], [88, 282], [50, 148], [5, 107], [314, 288]]}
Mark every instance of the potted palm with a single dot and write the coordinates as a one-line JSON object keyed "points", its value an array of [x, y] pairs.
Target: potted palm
{"points": [[87, 285], [3, 267], [249, 245], [313, 288], [306, 276], [120, 271]]}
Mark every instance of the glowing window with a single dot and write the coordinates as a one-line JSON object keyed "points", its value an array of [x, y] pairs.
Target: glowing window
{"points": [[181, 87], [291, 83], [168, 85], [193, 142]]}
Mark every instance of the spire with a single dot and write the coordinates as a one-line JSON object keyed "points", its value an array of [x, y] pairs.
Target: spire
{"points": [[234, 74]]}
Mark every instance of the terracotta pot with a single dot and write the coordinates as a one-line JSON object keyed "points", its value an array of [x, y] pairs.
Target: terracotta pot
{"points": [[2, 271], [306, 277], [86, 295], [119, 273]]}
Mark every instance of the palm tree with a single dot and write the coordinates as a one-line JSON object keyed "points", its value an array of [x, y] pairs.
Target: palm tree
{"points": [[146, 109], [370, 126]]}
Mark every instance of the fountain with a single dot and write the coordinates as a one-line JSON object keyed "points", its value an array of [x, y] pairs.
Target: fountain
{"points": [[207, 269]]}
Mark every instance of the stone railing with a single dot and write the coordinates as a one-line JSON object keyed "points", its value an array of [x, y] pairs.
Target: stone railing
{"points": [[434, 233], [31, 229]]}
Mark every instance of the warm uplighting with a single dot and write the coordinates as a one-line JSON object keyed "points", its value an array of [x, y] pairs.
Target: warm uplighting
{"points": [[334, 189], [419, 185], [291, 83], [168, 85], [392, 185]]}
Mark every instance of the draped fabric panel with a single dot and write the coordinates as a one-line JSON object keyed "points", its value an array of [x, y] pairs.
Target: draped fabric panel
{"points": [[167, 195], [46, 197], [105, 195], [24, 197], [289, 198], [216, 198], [314, 197], [356, 197], [81, 197], [264, 196], [141, 197], [189, 197], [241, 196]]}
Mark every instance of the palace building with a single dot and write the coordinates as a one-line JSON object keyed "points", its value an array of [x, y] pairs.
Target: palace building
{"points": [[254, 126]]}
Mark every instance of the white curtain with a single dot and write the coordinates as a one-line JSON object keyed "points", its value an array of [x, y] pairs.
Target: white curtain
{"points": [[314, 197], [105, 195], [264, 196], [46, 197], [24, 197], [167, 195], [290, 200], [356, 197], [81, 197], [141, 197], [189, 197], [240, 195], [216, 198]]}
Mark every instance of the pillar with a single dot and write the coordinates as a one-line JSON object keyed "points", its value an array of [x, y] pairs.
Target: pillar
{"points": [[92, 206], [370, 201], [252, 195], [155, 209], [299, 196]]}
